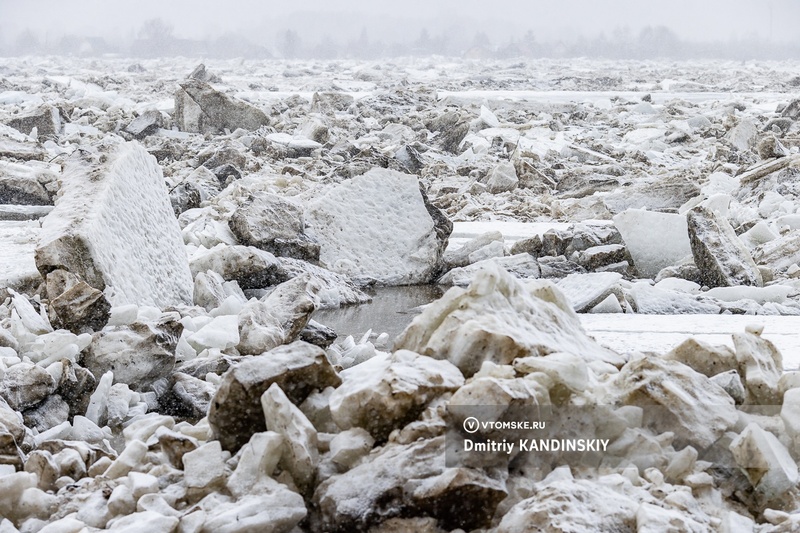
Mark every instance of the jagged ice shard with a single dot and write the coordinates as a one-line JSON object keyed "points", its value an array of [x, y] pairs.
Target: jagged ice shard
{"points": [[113, 227]]}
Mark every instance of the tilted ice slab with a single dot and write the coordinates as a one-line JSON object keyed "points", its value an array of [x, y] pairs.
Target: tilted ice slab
{"points": [[584, 291], [375, 225], [655, 240], [114, 227]]}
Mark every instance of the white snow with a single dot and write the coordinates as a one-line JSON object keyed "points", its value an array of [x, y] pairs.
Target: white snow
{"points": [[678, 284], [375, 225], [762, 295], [511, 231], [17, 243], [129, 227], [596, 97], [607, 136], [660, 333]]}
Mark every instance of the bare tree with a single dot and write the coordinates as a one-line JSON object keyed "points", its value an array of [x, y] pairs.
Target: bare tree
{"points": [[156, 30], [290, 44]]}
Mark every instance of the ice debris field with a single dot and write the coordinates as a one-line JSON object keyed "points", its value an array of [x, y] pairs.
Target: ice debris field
{"points": [[197, 262]]}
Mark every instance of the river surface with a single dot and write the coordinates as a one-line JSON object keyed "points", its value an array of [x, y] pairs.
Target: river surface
{"points": [[393, 308]]}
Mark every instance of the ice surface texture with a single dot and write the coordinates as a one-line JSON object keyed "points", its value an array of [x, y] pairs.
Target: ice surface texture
{"points": [[376, 225], [113, 226]]}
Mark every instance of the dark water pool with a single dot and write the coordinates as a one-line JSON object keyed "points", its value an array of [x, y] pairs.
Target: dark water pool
{"points": [[391, 310]]}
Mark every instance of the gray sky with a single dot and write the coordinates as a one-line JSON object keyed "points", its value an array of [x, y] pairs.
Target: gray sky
{"points": [[402, 20]]}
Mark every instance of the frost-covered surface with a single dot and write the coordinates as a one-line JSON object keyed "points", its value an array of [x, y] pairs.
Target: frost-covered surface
{"points": [[117, 211], [375, 225], [511, 231], [489, 321], [18, 241], [653, 333], [240, 409]]}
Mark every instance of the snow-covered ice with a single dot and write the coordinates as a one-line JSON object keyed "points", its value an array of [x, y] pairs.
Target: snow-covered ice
{"points": [[258, 402], [135, 250], [376, 225], [17, 242], [659, 333]]}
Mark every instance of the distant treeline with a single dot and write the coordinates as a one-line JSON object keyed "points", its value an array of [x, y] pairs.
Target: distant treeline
{"points": [[156, 38]]}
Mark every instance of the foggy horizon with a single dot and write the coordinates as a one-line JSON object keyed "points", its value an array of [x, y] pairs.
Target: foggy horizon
{"points": [[314, 28]]}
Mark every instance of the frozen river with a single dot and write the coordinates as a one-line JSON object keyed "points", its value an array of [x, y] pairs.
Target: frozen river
{"points": [[393, 308], [659, 333]]}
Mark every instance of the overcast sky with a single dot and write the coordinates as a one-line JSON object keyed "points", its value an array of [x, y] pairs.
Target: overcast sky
{"points": [[402, 20]]}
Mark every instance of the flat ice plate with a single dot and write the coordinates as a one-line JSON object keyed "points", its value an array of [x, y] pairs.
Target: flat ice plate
{"points": [[660, 333]]}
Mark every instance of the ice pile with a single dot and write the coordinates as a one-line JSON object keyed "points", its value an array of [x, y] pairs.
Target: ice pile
{"points": [[161, 368], [283, 438]]}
